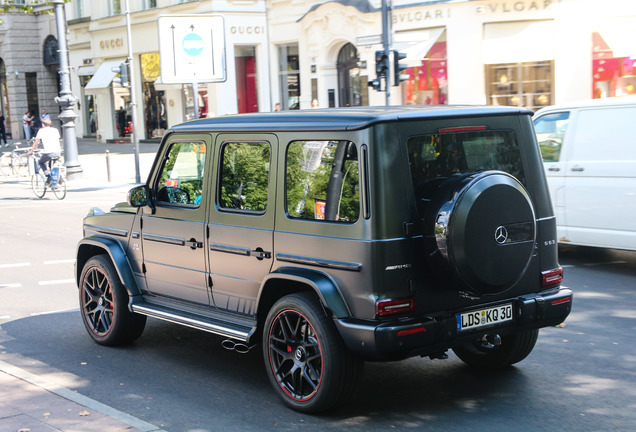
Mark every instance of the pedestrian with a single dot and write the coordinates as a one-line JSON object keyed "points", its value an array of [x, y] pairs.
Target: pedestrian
{"points": [[36, 124], [3, 131], [50, 138], [26, 124], [44, 114], [277, 107], [314, 103]]}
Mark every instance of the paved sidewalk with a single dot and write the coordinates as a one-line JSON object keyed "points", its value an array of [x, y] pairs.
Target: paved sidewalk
{"points": [[30, 403]]}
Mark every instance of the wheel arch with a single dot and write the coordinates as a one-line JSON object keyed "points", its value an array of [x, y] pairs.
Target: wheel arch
{"points": [[289, 280], [99, 245]]}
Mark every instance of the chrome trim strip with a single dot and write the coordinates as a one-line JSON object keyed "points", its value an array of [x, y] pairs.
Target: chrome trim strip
{"points": [[189, 322], [338, 265], [230, 249], [105, 230], [164, 239]]}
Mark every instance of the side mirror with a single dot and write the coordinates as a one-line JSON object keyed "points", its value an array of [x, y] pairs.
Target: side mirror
{"points": [[139, 196]]}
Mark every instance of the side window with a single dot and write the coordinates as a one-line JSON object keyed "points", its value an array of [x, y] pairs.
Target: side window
{"points": [[322, 181], [244, 176], [181, 179], [550, 130]]}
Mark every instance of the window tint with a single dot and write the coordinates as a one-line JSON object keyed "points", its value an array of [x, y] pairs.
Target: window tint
{"points": [[550, 130], [435, 157], [181, 179], [245, 176], [322, 181]]}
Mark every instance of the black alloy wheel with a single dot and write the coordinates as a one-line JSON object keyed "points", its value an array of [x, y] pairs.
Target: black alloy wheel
{"points": [[306, 360], [104, 305]]}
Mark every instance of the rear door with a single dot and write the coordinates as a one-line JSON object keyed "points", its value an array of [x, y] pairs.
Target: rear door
{"points": [[173, 233], [241, 222]]}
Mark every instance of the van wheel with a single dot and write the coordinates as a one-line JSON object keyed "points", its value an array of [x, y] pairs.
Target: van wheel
{"points": [[104, 305], [306, 359], [513, 349]]}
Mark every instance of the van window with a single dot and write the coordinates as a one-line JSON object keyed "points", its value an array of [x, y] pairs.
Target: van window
{"points": [[245, 176], [605, 134], [181, 179], [322, 181], [550, 130], [435, 157]]}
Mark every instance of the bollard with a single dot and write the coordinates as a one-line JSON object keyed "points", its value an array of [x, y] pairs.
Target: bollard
{"points": [[108, 165]]}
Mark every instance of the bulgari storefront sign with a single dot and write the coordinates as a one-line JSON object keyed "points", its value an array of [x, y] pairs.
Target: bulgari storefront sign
{"points": [[516, 6]]}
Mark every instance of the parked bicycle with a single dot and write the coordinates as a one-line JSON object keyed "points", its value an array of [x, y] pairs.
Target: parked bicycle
{"points": [[39, 182], [14, 162]]}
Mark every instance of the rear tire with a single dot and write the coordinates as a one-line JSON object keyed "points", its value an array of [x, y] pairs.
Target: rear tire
{"points": [[38, 185], [60, 189], [20, 165], [306, 359], [104, 305], [513, 349]]}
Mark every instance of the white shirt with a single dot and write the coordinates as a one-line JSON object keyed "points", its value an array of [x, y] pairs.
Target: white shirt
{"points": [[50, 138]]}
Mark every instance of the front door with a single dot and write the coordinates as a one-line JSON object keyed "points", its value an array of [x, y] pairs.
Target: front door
{"points": [[173, 234], [242, 220]]}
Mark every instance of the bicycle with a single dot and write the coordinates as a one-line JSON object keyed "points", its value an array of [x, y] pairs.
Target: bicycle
{"points": [[39, 179], [14, 162]]}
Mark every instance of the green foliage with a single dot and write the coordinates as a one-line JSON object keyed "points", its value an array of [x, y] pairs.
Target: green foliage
{"points": [[245, 176], [11, 6]]}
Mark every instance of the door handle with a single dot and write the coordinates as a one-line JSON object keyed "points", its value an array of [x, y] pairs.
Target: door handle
{"points": [[194, 244], [577, 169], [554, 169], [260, 254]]}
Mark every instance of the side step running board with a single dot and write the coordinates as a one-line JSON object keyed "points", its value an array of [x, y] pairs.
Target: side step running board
{"points": [[208, 324]]}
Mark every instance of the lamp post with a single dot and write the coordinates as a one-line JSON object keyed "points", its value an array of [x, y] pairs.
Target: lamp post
{"points": [[66, 100]]}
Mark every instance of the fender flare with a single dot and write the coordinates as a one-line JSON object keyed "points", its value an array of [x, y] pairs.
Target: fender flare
{"points": [[117, 255], [321, 283]]}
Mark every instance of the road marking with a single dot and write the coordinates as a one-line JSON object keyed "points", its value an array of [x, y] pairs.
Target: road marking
{"points": [[5, 317], [15, 265], [57, 282], [54, 312], [11, 285], [62, 261]]}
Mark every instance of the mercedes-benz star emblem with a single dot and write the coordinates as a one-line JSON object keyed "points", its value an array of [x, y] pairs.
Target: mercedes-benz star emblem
{"points": [[501, 235]]}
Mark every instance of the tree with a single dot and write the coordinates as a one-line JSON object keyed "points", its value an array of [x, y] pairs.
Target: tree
{"points": [[26, 7]]}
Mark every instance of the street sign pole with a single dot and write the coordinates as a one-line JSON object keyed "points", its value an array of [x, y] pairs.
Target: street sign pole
{"points": [[133, 102], [385, 43]]}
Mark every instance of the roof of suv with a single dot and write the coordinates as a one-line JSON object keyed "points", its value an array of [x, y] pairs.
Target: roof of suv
{"points": [[331, 119]]}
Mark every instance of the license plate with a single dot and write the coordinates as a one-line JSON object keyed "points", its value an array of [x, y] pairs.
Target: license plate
{"points": [[484, 317]]}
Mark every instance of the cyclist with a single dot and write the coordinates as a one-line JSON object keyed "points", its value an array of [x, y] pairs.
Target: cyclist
{"points": [[50, 138]]}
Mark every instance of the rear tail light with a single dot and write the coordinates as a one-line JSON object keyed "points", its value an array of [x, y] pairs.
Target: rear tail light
{"points": [[392, 307], [552, 277], [461, 129]]}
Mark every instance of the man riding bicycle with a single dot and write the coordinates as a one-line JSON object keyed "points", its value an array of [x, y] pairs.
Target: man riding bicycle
{"points": [[50, 138]]}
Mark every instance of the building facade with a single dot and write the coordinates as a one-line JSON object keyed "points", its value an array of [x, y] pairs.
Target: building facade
{"points": [[29, 65], [302, 53]]}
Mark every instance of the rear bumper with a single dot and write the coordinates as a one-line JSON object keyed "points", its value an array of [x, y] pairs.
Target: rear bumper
{"points": [[432, 335]]}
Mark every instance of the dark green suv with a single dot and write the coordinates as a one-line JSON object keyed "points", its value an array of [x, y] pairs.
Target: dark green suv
{"points": [[333, 237]]}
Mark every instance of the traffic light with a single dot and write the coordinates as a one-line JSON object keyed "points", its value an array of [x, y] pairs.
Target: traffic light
{"points": [[381, 64], [123, 77], [376, 84], [398, 67]]}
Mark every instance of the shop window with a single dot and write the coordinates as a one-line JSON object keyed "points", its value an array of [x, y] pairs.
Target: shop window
{"points": [[612, 75], [246, 80], [155, 116], [428, 78], [289, 76], [529, 85], [245, 176], [350, 82], [322, 181]]}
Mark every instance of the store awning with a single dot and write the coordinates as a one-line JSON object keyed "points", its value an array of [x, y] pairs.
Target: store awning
{"points": [[619, 33], [416, 44], [104, 75], [86, 70], [518, 42]]}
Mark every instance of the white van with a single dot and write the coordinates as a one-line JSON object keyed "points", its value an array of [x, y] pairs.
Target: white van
{"points": [[589, 154]]}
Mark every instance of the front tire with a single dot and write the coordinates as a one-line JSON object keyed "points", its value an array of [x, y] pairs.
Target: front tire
{"points": [[104, 305], [513, 349], [38, 185], [305, 357]]}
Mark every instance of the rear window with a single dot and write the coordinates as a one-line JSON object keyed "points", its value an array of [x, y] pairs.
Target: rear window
{"points": [[435, 157]]}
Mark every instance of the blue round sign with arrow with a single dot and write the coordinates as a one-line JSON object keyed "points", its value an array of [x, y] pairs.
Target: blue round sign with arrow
{"points": [[192, 44]]}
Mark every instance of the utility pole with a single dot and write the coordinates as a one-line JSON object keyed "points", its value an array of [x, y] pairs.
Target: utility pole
{"points": [[385, 45], [133, 102], [66, 100]]}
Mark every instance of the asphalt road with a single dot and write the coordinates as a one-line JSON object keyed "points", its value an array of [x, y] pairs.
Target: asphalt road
{"points": [[580, 377]]}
